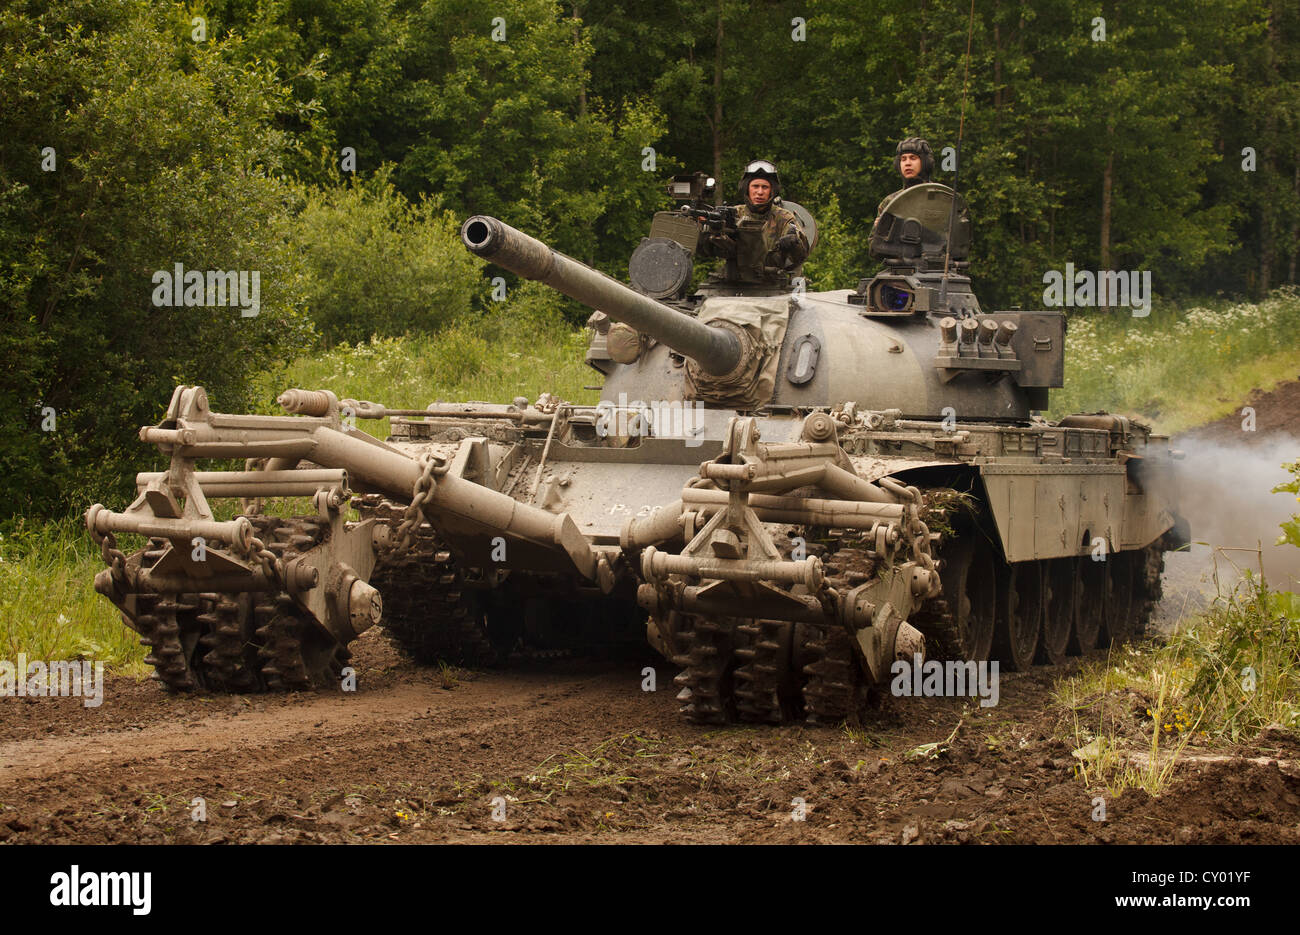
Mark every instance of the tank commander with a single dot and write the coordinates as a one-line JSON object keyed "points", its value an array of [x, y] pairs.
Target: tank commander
{"points": [[767, 245], [914, 161]]}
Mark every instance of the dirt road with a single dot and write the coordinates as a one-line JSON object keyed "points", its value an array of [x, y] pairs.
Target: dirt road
{"points": [[577, 751]]}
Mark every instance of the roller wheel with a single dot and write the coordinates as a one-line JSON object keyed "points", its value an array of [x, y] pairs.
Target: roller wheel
{"points": [[1058, 619], [1089, 603], [1020, 614]]}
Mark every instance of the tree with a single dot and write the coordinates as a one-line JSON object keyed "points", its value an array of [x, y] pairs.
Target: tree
{"points": [[165, 151]]}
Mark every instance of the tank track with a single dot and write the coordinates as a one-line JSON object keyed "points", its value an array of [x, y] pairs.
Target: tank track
{"points": [[770, 671], [939, 624], [707, 675], [1148, 587], [429, 610], [744, 669], [238, 642], [159, 620], [764, 647], [232, 659], [835, 690]]}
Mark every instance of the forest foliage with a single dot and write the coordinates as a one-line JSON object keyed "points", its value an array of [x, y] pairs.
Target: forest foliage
{"points": [[333, 145]]}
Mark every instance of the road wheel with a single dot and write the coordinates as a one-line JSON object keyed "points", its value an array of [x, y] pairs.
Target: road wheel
{"points": [[1089, 603], [1020, 614], [1058, 618]]}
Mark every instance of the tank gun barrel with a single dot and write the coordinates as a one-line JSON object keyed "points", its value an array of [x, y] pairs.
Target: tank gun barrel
{"points": [[716, 351]]}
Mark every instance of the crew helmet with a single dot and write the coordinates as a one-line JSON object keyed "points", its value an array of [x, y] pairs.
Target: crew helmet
{"points": [[914, 144], [760, 169]]}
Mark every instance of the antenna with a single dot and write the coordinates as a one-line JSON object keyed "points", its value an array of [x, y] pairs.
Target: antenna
{"points": [[961, 127]]}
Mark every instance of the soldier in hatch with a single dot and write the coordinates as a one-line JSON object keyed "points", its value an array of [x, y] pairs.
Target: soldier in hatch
{"points": [[914, 161], [767, 247]]}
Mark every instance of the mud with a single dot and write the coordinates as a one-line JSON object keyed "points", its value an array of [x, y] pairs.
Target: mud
{"points": [[576, 751]]}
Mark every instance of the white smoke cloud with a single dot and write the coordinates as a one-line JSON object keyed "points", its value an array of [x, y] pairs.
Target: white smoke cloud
{"points": [[1228, 500]]}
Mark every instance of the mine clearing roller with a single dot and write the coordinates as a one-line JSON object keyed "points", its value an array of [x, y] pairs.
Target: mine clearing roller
{"points": [[821, 484]]}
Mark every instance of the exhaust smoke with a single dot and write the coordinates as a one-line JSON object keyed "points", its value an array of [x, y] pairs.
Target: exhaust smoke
{"points": [[1226, 495]]}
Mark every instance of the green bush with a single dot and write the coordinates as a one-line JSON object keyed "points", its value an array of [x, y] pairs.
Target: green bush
{"points": [[164, 151], [374, 264]]}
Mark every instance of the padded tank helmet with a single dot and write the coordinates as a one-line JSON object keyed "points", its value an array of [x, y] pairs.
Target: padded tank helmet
{"points": [[759, 169], [914, 144]]}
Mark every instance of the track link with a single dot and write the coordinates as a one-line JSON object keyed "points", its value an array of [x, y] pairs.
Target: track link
{"points": [[231, 661], [707, 693], [429, 609], [835, 690], [763, 646]]}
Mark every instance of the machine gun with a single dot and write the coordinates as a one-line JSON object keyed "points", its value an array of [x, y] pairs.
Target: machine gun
{"points": [[721, 219], [693, 193]]}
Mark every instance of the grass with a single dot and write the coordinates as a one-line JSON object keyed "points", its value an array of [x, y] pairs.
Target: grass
{"points": [[1179, 368], [1219, 681], [448, 676], [524, 350], [48, 605]]}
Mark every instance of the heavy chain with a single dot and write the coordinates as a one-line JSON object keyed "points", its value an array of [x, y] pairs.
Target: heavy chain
{"points": [[413, 515], [113, 556], [258, 552], [917, 532]]}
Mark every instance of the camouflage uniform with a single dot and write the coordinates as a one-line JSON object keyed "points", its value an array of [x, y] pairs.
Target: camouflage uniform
{"points": [[749, 250]]}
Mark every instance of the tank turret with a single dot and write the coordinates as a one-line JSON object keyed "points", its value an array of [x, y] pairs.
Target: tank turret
{"points": [[911, 338]]}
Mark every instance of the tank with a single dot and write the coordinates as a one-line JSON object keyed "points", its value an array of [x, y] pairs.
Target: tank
{"points": [[786, 493]]}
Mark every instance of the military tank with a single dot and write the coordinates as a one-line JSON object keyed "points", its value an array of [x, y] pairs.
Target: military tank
{"points": [[783, 491]]}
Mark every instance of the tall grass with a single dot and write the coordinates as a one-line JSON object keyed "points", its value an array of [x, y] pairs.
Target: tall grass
{"points": [[1220, 679], [1179, 368], [48, 605]]}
